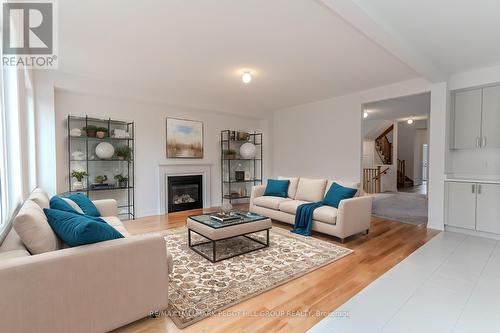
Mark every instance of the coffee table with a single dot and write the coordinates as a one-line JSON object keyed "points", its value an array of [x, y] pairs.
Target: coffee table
{"points": [[216, 231]]}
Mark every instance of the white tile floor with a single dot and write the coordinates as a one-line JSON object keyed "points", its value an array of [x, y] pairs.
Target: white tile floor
{"points": [[451, 284]]}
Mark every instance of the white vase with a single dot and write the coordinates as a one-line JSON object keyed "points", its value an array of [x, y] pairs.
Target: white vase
{"points": [[104, 150], [77, 185], [248, 150], [75, 132], [78, 155]]}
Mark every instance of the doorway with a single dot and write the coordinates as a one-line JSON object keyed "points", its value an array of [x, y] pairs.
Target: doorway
{"points": [[395, 157]]}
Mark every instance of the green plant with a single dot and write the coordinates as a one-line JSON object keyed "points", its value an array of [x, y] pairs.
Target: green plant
{"points": [[124, 152], [230, 153], [120, 178], [102, 129], [79, 175], [91, 130], [101, 179]]}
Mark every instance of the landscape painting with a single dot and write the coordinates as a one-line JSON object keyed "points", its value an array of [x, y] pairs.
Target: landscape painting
{"points": [[184, 138]]}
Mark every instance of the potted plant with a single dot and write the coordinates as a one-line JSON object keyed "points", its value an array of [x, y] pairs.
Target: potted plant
{"points": [[78, 175], [101, 132], [230, 154], [121, 180], [91, 130], [124, 153], [101, 179]]}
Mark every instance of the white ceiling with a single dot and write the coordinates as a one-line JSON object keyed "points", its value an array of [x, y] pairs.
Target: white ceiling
{"points": [[401, 108], [191, 52], [455, 35]]}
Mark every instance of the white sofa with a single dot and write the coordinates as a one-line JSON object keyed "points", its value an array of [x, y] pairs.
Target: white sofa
{"points": [[90, 288], [352, 217]]}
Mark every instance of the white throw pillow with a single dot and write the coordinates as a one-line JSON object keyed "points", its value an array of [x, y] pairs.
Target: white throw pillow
{"points": [[40, 198], [73, 205], [311, 190], [292, 188], [34, 230]]}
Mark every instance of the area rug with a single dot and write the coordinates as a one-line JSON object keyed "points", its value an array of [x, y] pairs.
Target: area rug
{"points": [[402, 207], [199, 288]]}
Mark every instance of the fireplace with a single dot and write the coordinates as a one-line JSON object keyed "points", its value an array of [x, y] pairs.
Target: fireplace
{"points": [[185, 192]]}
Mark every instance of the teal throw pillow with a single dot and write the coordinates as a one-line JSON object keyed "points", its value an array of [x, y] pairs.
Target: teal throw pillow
{"points": [[337, 193]]}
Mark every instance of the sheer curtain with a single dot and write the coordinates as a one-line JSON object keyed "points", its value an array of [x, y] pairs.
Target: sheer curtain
{"points": [[17, 137]]}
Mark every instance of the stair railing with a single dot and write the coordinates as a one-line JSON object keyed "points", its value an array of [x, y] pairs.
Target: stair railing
{"points": [[401, 172], [372, 179], [384, 146]]}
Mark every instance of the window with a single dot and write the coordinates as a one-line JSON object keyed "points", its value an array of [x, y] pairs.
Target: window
{"points": [[3, 214], [17, 141]]}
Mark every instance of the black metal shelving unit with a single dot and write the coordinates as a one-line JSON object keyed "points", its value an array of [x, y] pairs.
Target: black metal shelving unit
{"points": [[238, 191], [125, 195]]}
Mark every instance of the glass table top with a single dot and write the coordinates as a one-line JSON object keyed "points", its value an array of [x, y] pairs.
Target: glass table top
{"points": [[243, 217]]}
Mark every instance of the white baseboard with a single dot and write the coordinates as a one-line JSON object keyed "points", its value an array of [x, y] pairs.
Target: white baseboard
{"points": [[472, 232]]}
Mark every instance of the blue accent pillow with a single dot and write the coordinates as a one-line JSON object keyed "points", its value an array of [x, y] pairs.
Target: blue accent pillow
{"points": [[277, 188], [337, 193], [85, 204], [76, 230], [59, 204]]}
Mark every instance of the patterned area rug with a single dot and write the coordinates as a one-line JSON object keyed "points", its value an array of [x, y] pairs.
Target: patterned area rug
{"points": [[199, 288]]}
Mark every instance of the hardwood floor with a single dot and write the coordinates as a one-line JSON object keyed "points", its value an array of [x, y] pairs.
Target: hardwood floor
{"points": [[322, 290]]}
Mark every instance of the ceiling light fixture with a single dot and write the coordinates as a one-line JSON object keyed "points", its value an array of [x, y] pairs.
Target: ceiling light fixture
{"points": [[246, 77], [410, 121], [365, 114]]}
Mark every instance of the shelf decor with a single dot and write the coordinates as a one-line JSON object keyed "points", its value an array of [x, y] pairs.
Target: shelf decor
{"points": [[104, 150], [101, 161], [184, 138], [248, 150], [241, 164]]}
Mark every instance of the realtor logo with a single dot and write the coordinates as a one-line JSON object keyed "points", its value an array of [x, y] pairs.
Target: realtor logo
{"points": [[28, 34]]}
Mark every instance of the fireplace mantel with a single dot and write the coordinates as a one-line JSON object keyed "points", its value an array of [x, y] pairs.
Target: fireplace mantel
{"points": [[165, 170]]}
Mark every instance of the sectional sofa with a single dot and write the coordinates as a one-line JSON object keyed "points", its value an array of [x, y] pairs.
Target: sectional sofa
{"points": [[48, 287], [352, 216]]}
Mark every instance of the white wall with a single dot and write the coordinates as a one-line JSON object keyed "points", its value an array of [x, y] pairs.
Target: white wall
{"points": [[45, 133], [421, 136], [407, 135], [370, 156], [323, 139], [320, 139], [76, 97], [150, 140]]}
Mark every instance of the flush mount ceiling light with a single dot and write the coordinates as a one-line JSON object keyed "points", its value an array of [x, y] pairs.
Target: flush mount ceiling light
{"points": [[410, 121], [365, 114], [246, 77]]}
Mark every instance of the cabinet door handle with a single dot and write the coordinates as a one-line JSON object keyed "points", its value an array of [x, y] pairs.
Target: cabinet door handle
{"points": [[479, 189], [478, 142], [483, 141], [473, 188]]}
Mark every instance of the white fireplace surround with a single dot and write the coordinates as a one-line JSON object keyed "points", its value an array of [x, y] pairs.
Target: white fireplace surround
{"points": [[169, 170]]}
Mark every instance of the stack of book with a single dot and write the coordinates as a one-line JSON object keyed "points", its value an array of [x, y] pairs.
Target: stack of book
{"points": [[225, 217]]}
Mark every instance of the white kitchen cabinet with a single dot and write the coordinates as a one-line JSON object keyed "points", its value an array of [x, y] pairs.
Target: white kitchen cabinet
{"points": [[488, 208], [490, 118], [461, 210], [466, 132]]}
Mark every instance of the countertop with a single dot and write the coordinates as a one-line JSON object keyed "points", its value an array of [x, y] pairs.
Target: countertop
{"points": [[472, 180]]}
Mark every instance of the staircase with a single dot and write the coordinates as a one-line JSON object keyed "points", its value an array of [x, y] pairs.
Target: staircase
{"points": [[372, 179], [403, 179], [383, 146]]}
